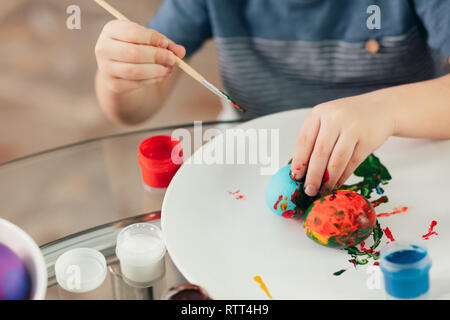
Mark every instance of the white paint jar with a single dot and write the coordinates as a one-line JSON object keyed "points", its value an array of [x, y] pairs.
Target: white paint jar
{"points": [[141, 250]]}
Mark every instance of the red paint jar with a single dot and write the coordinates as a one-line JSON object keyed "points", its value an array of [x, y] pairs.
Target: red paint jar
{"points": [[159, 158]]}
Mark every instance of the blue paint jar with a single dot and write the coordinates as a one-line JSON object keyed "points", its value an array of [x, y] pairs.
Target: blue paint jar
{"points": [[406, 270]]}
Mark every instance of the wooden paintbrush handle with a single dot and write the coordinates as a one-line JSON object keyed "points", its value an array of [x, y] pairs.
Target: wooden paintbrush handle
{"points": [[189, 70]]}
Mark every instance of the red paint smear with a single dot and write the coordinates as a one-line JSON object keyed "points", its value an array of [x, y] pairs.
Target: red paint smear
{"points": [[353, 261], [288, 214], [379, 201], [376, 263], [294, 195], [326, 176], [388, 234], [430, 230], [396, 211], [239, 197], [370, 250], [276, 203]]}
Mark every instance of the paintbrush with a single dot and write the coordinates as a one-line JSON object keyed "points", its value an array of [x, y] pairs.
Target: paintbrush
{"points": [[180, 63]]}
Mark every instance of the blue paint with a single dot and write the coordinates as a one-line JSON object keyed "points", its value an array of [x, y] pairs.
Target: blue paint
{"points": [[281, 184], [405, 269], [379, 190]]}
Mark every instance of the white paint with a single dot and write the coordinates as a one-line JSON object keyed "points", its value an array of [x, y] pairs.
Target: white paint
{"points": [[141, 251]]}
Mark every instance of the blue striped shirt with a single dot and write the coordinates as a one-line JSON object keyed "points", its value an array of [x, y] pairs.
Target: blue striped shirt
{"points": [[278, 55]]}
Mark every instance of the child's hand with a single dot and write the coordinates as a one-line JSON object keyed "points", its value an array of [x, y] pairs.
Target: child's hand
{"points": [[130, 56], [337, 136]]}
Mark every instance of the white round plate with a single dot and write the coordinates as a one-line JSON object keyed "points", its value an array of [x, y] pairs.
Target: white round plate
{"points": [[221, 243]]}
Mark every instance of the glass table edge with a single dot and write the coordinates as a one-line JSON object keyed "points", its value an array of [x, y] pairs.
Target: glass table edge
{"points": [[117, 135]]}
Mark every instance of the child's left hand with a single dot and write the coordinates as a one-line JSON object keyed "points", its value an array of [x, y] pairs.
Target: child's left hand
{"points": [[337, 136]]}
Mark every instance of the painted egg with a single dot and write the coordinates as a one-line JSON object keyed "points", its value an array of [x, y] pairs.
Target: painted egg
{"points": [[281, 193], [14, 278], [339, 220]]}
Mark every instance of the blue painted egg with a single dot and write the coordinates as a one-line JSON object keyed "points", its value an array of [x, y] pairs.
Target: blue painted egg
{"points": [[281, 193], [14, 278]]}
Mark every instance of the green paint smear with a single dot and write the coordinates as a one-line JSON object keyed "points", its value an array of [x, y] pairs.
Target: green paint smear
{"points": [[374, 174], [362, 257], [338, 273]]}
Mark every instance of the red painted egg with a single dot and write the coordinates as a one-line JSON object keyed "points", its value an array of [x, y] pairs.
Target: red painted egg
{"points": [[339, 220]]}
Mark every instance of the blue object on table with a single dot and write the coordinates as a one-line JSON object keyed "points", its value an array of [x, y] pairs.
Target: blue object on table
{"points": [[405, 269], [14, 278], [280, 192]]}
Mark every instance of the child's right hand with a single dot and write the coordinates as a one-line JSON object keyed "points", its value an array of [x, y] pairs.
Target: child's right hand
{"points": [[130, 56]]}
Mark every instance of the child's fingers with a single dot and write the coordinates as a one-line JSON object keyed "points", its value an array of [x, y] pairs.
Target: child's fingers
{"points": [[134, 33], [179, 50], [304, 146], [134, 53], [122, 85], [323, 147], [131, 32], [340, 157], [130, 71], [358, 156]]}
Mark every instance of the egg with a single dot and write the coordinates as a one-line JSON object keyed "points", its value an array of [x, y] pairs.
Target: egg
{"points": [[339, 220], [281, 192], [285, 196], [14, 278]]}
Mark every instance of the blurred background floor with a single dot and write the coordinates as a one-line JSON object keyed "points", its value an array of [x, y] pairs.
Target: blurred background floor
{"points": [[47, 73]]}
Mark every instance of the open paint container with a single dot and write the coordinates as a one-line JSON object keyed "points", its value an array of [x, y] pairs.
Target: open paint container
{"points": [[406, 270], [159, 158], [141, 251]]}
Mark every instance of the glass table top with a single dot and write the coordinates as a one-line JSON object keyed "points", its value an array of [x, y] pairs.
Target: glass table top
{"points": [[77, 195]]}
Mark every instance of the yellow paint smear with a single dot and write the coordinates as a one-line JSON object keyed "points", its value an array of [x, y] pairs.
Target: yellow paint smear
{"points": [[262, 285], [322, 239]]}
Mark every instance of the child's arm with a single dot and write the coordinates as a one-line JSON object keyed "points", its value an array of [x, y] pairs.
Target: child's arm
{"points": [[134, 64], [338, 135]]}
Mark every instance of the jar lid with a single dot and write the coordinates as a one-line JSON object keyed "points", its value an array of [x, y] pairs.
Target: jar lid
{"points": [[80, 270]]}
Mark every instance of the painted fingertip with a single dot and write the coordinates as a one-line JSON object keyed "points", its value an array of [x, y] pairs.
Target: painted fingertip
{"points": [[311, 190], [294, 176]]}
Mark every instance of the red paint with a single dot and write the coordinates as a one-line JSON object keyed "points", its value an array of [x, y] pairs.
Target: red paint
{"points": [[396, 211], [353, 261], [288, 214], [275, 206], [342, 218], [376, 263], [430, 230], [239, 197], [370, 250], [388, 234], [155, 159], [326, 176], [294, 195], [379, 201]]}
